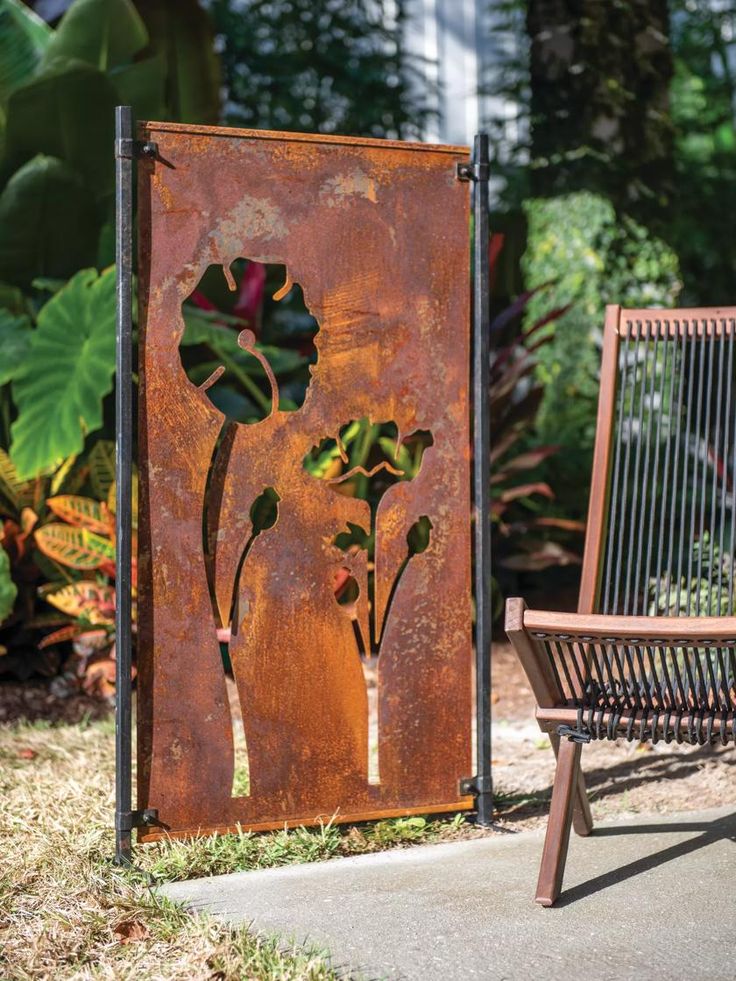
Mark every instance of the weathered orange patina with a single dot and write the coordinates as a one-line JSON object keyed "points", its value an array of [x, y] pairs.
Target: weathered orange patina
{"points": [[376, 234]]}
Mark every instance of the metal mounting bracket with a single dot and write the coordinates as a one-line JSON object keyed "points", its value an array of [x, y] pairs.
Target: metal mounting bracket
{"points": [[129, 149], [468, 171], [127, 820], [475, 785]]}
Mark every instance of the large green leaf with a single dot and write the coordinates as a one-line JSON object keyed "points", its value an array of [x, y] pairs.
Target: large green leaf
{"points": [[48, 224], [66, 112], [8, 589], [104, 33], [15, 340], [24, 36], [182, 32], [141, 85], [68, 372]]}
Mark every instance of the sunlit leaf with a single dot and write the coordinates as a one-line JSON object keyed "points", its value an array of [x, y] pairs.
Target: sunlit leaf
{"points": [[77, 548], [103, 33], [68, 372], [82, 512]]}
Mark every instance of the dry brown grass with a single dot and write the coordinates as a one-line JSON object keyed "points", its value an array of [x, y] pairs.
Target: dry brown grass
{"points": [[66, 911]]}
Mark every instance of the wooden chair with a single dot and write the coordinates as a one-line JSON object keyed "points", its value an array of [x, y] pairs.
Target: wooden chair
{"points": [[651, 652]]}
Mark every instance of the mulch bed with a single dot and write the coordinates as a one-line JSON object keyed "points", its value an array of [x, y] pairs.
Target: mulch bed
{"points": [[35, 701], [622, 778]]}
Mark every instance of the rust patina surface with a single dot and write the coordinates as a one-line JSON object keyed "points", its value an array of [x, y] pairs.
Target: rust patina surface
{"points": [[376, 234]]}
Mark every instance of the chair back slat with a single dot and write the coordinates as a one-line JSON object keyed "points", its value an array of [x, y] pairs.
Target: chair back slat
{"points": [[662, 517]]}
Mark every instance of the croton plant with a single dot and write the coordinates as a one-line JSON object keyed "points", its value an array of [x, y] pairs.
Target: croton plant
{"points": [[59, 553]]}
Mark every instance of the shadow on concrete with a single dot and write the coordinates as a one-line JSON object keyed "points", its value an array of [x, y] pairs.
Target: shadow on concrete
{"points": [[721, 829]]}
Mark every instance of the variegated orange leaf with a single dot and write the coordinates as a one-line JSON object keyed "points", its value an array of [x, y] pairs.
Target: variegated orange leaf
{"points": [[77, 548], [79, 598], [82, 512], [28, 520], [58, 636], [17, 492], [111, 498]]}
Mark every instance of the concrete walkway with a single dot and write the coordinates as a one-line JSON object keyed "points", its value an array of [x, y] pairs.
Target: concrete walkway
{"points": [[653, 898]]}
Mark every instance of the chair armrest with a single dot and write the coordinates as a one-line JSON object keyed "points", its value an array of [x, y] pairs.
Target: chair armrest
{"points": [[602, 627], [614, 673]]}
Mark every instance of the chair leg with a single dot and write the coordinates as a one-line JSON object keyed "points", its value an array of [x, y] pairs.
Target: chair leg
{"points": [[557, 838], [582, 819]]}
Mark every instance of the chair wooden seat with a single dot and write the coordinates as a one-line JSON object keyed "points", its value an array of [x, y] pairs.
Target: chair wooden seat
{"points": [[660, 539]]}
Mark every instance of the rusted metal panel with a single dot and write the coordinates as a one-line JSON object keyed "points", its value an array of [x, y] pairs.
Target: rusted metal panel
{"points": [[376, 234]]}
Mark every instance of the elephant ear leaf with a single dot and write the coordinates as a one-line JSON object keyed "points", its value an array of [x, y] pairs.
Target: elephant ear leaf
{"points": [[15, 340], [24, 37], [68, 372], [41, 202], [8, 589], [104, 33]]}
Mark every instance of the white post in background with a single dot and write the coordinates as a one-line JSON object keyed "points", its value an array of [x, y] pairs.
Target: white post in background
{"points": [[444, 37]]}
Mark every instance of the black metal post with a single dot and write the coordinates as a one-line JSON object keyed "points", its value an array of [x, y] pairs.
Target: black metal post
{"points": [[481, 477], [124, 473]]}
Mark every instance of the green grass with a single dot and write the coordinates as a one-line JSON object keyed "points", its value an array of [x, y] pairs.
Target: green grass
{"points": [[220, 854], [67, 912]]}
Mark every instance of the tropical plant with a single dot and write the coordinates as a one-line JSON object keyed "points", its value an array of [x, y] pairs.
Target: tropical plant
{"points": [[8, 589], [707, 593], [58, 90], [320, 66], [526, 536], [702, 100], [63, 372], [586, 256], [67, 564], [83, 542]]}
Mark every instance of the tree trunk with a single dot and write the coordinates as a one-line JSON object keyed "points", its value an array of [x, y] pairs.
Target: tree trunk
{"points": [[600, 75]]}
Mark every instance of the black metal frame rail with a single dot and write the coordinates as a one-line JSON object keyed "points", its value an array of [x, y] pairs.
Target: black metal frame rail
{"points": [[124, 479], [479, 173]]}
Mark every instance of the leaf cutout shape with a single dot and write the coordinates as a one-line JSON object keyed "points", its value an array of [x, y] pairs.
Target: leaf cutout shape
{"points": [[82, 512], [77, 548]]}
